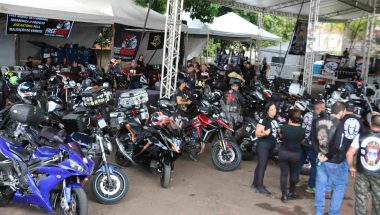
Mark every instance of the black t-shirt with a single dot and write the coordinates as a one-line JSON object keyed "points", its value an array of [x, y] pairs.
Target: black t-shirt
{"points": [[292, 137], [183, 95], [349, 127], [249, 74], [135, 78], [269, 124]]}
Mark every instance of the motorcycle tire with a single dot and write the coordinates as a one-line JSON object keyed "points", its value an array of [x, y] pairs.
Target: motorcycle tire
{"points": [[165, 175], [80, 198], [122, 160], [6, 196], [217, 154], [104, 194]]}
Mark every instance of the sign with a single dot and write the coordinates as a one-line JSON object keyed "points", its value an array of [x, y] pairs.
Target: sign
{"points": [[40, 26], [156, 41], [298, 45], [126, 43], [332, 63]]}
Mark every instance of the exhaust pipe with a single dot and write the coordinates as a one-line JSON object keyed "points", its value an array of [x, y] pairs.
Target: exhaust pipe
{"points": [[122, 150]]}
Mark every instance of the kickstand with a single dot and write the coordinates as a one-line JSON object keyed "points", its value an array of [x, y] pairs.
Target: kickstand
{"points": [[193, 158]]}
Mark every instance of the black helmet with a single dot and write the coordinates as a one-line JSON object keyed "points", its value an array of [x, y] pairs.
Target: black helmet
{"points": [[350, 106], [180, 81]]}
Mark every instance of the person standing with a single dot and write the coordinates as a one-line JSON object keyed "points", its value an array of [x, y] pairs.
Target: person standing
{"points": [[331, 170], [367, 170], [135, 75], [75, 68], [249, 73], [29, 63], [232, 104], [192, 77], [264, 68], [292, 135], [307, 149], [266, 131]]}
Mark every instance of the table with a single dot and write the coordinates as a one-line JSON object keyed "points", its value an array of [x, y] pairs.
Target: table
{"points": [[327, 77]]}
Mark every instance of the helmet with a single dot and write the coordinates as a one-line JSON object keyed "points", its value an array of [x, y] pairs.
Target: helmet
{"points": [[13, 80], [159, 119], [165, 104], [25, 90]]}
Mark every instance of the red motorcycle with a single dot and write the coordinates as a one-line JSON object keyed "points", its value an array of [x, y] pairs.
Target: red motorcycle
{"points": [[210, 127]]}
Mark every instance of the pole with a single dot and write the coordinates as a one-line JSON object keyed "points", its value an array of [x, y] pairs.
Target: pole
{"points": [[208, 38], [146, 20], [113, 41], [250, 50]]}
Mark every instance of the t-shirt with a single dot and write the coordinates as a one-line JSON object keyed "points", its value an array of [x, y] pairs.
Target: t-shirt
{"points": [[136, 70], [292, 137], [182, 94], [249, 74], [269, 124]]}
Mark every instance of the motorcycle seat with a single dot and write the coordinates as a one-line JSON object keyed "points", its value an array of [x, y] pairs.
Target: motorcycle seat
{"points": [[81, 138], [22, 153]]}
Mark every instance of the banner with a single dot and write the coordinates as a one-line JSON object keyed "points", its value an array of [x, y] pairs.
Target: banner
{"points": [[332, 63], [359, 65], [298, 44], [126, 43], [156, 41], [41, 26]]}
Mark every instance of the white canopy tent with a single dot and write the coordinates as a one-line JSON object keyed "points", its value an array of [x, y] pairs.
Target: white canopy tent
{"points": [[99, 12], [227, 27]]}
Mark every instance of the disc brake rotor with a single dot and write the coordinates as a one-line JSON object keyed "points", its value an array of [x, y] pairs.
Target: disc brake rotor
{"points": [[106, 188], [227, 156]]}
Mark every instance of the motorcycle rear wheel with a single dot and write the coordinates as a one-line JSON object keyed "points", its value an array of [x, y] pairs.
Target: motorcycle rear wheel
{"points": [[165, 175], [79, 203], [102, 191], [222, 159], [122, 160]]}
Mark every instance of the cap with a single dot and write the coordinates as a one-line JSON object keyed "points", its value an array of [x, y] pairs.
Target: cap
{"points": [[246, 62]]}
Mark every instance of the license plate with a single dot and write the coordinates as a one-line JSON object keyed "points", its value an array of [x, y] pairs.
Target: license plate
{"points": [[102, 123]]}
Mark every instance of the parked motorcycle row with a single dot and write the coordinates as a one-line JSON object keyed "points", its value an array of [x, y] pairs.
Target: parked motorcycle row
{"points": [[57, 135]]}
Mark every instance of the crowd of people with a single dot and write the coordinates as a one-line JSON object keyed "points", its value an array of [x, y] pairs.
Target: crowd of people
{"points": [[328, 141]]}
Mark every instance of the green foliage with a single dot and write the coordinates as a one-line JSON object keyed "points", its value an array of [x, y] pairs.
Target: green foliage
{"points": [[357, 29], [105, 37]]}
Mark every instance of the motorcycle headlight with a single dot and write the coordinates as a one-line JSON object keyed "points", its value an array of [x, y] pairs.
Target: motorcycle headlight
{"points": [[77, 167], [72, 83]]}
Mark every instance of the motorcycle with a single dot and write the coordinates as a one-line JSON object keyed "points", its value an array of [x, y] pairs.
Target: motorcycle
{"points": [[155, 146], [48, 178]]}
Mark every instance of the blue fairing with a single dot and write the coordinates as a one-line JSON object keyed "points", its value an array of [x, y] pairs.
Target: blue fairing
{"points": [[111, 167], [73, 166]]}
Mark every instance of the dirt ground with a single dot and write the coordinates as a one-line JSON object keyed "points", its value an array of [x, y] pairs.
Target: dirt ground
{"points": [[198, 188]]}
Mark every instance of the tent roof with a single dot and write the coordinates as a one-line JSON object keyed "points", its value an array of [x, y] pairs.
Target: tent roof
{"points": [[69, 10], [229, 25], [125, 12], [330, 10]]}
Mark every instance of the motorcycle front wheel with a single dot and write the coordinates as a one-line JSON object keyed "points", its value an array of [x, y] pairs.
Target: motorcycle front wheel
{"points": [[165, 175], [110, 192], [78, 203], [226, 160]]}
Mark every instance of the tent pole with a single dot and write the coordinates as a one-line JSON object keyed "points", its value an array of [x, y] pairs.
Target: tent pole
{"points": [[17, 46], [208, 38], [113, 40], [146, 20], [250, 50], [186, 49]]}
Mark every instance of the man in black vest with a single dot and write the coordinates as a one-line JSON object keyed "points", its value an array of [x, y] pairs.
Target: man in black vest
{"points": [[367, 171]]}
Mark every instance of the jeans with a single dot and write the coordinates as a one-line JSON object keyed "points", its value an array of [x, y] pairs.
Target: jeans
{"points": [[135, 85], [338, 176], [309, 152]]}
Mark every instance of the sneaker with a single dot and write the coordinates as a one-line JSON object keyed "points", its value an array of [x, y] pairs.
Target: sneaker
{"points": [[310, 190], [299, 184], [262, 190]]}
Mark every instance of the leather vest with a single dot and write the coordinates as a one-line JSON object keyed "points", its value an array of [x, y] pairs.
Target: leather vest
{"points": [[368, 158]]}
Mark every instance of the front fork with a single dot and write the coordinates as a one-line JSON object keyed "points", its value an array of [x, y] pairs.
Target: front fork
{"points": [[101, 143], [222, 142]]}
